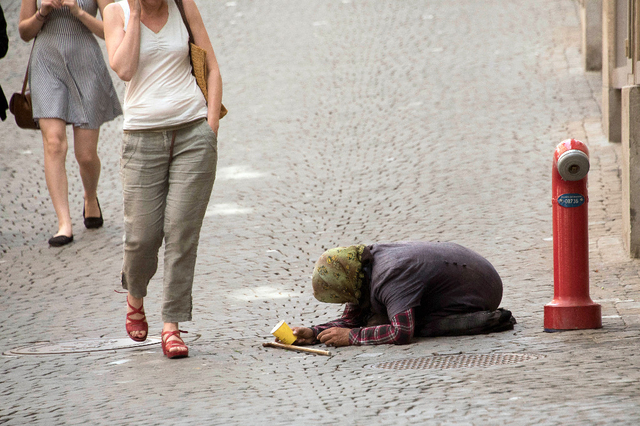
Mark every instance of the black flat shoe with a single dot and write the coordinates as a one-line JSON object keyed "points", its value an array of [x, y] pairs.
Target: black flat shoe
{"points": [[60, 240], [93, 222]]}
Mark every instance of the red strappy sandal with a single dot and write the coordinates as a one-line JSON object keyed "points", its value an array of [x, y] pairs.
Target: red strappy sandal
{"points": [[137, 324], [168, 345]]}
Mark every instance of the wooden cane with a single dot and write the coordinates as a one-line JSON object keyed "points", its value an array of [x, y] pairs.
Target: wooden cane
{"points": [[295, 348]]}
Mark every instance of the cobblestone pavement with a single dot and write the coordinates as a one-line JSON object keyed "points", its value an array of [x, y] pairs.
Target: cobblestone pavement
{"points": [[351, 121]]}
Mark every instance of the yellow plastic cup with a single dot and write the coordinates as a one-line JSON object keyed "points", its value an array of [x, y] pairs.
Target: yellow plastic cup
{"points": [[283, 332]]}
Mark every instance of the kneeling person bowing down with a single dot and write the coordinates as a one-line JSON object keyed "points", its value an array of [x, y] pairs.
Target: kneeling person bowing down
{"points": [[397, 290]]}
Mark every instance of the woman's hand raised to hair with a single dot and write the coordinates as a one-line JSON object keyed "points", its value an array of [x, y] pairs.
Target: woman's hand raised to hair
{"points": [[134, 6]]}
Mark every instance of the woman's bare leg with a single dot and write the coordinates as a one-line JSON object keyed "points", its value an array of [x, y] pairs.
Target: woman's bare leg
{"points": [[54, 137], [86, 150]]}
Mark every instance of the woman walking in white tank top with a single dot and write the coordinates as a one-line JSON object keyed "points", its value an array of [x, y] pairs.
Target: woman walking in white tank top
{"points": [[169, 154]]}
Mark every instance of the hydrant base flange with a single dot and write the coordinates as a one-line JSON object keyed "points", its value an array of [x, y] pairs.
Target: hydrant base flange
{"points": [[558, 317]]}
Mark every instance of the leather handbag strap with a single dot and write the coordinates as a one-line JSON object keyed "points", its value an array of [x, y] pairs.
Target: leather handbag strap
{"points": [[26, 74], [184, 19]]}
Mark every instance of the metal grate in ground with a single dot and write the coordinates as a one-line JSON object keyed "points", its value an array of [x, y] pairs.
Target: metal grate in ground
{"points": [[456, 361]]}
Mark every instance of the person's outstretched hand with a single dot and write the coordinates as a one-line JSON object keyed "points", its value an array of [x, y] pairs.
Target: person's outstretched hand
{"points": [[335, 336], [304, 336]]}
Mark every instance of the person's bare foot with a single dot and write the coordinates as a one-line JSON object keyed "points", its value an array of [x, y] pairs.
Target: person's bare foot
{"points": [[64, 229], [92, 208], [137, 326], [173, 344]]}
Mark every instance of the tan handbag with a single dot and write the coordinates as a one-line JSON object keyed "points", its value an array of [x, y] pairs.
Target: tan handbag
{"points": [[20, 105], [198, 60]]}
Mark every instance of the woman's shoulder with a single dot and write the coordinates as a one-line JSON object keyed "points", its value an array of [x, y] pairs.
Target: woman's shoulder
{"points": [[117, 7], [401, 249], [190, 6], [188, 3], [117, 12]]}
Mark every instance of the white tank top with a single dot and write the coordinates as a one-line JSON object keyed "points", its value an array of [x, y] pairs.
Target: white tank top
{"points": [[162, 92]]}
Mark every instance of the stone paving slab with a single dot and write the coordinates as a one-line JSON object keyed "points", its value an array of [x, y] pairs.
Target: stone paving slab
{"points": [[350, 121]]}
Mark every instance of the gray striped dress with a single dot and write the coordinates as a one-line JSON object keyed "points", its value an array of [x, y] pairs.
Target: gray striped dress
{"points": [[68, 77]]}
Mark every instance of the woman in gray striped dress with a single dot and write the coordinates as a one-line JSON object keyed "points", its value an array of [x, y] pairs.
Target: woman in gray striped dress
{"points": [[70, 84]]}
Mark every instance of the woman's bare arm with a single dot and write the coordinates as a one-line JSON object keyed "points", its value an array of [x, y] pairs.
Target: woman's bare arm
{"points": [[123, 47], [32, 19]]}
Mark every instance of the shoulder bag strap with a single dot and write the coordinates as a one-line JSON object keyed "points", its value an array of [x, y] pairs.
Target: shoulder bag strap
{"points": [[184, 19], [26, 74]]}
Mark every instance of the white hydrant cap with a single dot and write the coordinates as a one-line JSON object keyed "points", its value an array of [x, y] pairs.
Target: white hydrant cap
{"points": [[573, 165]]}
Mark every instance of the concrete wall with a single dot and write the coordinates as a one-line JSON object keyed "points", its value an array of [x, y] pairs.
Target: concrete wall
{"points": [[630, 170], [611, 96], [591, 19]]}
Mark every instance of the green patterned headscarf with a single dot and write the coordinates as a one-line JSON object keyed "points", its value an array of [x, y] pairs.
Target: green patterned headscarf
{"points": [[337, 276]]}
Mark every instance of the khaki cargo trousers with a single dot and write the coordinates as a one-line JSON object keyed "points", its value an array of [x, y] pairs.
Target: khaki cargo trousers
{"points": [[167, 178]]}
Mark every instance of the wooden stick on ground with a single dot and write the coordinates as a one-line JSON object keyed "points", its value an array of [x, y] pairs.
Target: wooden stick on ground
{"points": [[295, 348]]}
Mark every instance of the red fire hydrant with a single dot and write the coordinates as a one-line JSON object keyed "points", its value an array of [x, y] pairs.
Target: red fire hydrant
{"points": [[571, 307]]}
